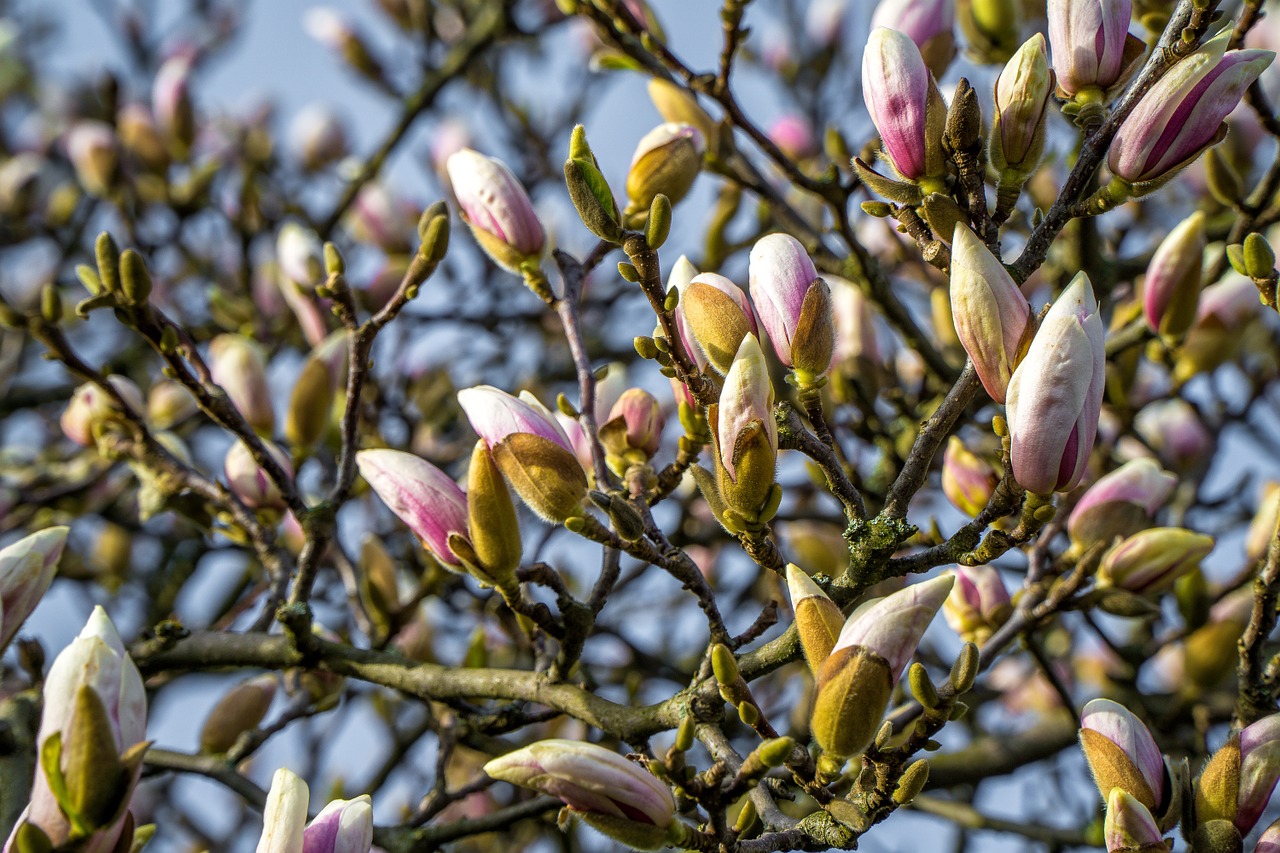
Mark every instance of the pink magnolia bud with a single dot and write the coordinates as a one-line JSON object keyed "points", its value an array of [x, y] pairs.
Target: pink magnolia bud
{"points": [[1055, 394], [1150, 561], [929, 23], [169, 404], [299, 254], [794, 306], [905, 105], [497, 208], [1128, 496], [1175, 431], [91, 148], [90, 405], [171, 102], [893, 626], [823, 21], [1270, 840], [494, 415], [1182, 113], [794, 137], [421, 495], [1226, 308], [343, 826], [633, 429], [854, 317], [249, 482], [682, 274], [578, 439], [1171, 290], [978, 603], [989, 311], [1088, 39], [26, 570], [317, 137], [236, 364], [968, 480], [1259, 770], [384, 219], [1122, 754], [1129, 826]]}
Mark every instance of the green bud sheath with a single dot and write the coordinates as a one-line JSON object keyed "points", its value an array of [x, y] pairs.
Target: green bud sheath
{"points": [[854, 686], [491, 518], [814, 341], [135, 278], [547, 477], [108, 256], [716, 321], [818, 621], [310, 405], [756, 461], [636, 835], [1218, 789], [96, 779], [1113, 769]]}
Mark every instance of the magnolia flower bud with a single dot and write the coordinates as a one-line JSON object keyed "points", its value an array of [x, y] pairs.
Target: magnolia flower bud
{"points": [[1055, 394], [317, 137], [818, 619], [140, 136], [928, 23], [718, 315], [667, 161], [26, 570], [1238, 780], [1123, 755], [310, 405], [1129, 826], [744, 435], [633, 430], [90, 743], [1149, 562], [1021, 101], [1226, 309], [990, 313], [677, 105], [1091, 45], [794, 306], [236, 364], [492, 525], [1121, 503], [90, 407], [171, 104], [1171, 289], [968, 480], [1174, 430], [240, 710], [855, 681], [617, 797], [285, 814], [794, 137], [333, 30], [530, 449], [91, 148], [299, 254], [343, 826], [169, 404], [1270, 840], [978, 603], [1181, 115], [249, 482], [497, 209], [908, 112], [421, 495], [1262, 527]]}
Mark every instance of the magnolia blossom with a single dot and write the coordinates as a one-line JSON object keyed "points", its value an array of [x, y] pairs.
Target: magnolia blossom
{"points": [[497, 208], [249, 482], [26, 570], [1119, 749], [494, 414], [421, 495], [793, 303], [1088, 39], [1139, 483], [900, 95], [343, 826], [1171, 289], [236, 364]]}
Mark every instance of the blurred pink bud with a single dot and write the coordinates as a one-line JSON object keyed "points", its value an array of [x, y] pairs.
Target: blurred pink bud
{"points": [[169, 404], [91, 148], [1171, 289], [1055, 394], [1229, 303], [904, 104], [236, 364], [1150, 561], [794, 136], [1129, 825], [171, 101], [1182, 113], [26, 570], [1139, 483], [299, 253], [854, 317], [794, 305], [448, 137], [317, 137], [140, 136], [384, 219], [249, 482], [989, 311], [1121, 752], [1088, 39], [893, 626], [823, 21], [421, 495], [928, 23], [978, 604], [1174, 430], [494, 414], [91, 405], [968, 480], [497, 208]]}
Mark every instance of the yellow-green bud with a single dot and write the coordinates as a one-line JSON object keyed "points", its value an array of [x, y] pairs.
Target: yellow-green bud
{"points": [[491, 519], [310, 405]]}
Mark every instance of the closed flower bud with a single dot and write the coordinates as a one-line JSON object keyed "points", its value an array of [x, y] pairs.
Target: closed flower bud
{"points": [[744, 435], [794, 137], [530, 448], [249, 482], [989, 311], [968, 480], [718, 315], [1262, 527], [91, 148], [497, 209], [1021, 107], [1174, 430], [140, 137], [667, 161], [171, 104], [1129, 826], [794, 306], [492, 525], [26, 570], [1226, 308], [1149, 562], [855, 681], [90, 407], [317, 137], [619, 798], [928, 23], [343, 826], [299, 254], [1055, 394], [1123, 755], [236, 364], [908, 112], [978, 603], [1171, 289], [818, 619], [239, 711], [169, 404], [633, 430], [1182, 113], [1237, 782], [678, 105], [310, 405], [1120, 503], [1091, 45], [421, 495]]}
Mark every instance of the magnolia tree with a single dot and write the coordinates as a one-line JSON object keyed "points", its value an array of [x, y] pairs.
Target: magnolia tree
{"points": [[992, 335]]}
